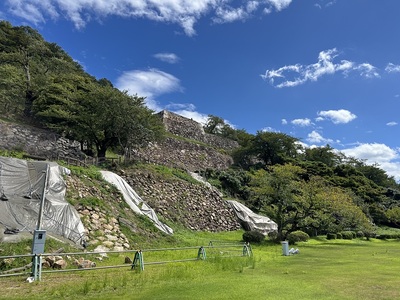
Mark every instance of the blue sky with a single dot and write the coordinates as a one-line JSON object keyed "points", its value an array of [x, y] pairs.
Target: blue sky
{"points": [[323, 71]]}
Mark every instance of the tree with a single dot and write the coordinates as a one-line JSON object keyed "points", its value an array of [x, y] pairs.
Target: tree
{"points": [[325, 155], [311, 206], [97, 114], [275, 193], [274, 147], [393, 216], [213, 125]]}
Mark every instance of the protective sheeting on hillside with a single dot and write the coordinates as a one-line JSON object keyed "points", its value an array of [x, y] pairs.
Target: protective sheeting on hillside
{"points": [[22, 184], [251, 220], [134, 201]]}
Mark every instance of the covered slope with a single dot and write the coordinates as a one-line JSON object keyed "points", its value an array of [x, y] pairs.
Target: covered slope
{"points": [[21, 188]]}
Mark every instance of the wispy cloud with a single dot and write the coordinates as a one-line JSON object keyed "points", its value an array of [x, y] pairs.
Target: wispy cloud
{"points": [[391, 123], [392, 68], [294, 75], [182, 12], [341, 116], [148, 83], [301, 122], [324, 3], [170, 58]]}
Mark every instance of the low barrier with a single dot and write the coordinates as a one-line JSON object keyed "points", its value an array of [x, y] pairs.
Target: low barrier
{"points": [[35, 268]]}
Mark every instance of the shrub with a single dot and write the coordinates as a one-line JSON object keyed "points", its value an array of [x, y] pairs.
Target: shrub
{"points": [[253, 236], [360, 234], [297, 236], [347, 235], [273, 235], [369, 234], [331, 236], [339, 236]]}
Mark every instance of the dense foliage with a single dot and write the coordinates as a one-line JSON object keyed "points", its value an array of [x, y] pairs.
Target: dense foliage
{"points": [[316, 190]]}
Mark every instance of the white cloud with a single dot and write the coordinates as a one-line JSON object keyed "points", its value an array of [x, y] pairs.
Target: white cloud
{"points": [[341, 116], [182, 12], [284, 121], [279, 4], [170, 58], [367, 70], [392, 68], [227, 15], [315, 137], [391, 123], [269, 129], [386, 157], [301, 122], [149, 84], [294, 75]]}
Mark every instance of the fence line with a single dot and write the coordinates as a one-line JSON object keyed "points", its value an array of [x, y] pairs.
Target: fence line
{"points": [[138, 261]]}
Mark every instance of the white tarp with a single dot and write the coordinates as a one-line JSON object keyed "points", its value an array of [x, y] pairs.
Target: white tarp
{"points": [[134, 201], [22, 185], [252, 220]]}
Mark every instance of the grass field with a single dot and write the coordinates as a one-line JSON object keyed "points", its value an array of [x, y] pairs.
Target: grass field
{"points": [[335, 269]]}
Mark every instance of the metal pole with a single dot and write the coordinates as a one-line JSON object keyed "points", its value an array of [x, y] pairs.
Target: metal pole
{"points": [[39, 223]]}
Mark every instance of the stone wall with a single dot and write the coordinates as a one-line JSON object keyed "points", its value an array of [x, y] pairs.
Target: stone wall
{"points": [[197, 151], [37, 142], [185, 155], [195, 206], [191, 129]]}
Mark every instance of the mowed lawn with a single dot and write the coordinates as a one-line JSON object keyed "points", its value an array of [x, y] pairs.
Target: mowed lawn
{"points": [[338, 269]]}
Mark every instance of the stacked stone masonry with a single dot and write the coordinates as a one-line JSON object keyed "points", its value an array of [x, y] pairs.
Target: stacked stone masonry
{"points": [[195, 206], [198, 151], [37, 142]]}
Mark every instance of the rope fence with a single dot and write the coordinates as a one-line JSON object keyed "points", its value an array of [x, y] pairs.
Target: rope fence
{"points": [[37, 262]]}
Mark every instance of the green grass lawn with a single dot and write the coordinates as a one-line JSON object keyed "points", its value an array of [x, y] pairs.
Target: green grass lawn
{"points": [[335, 269]]}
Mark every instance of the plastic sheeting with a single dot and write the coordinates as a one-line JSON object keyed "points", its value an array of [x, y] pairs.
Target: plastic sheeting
{"points": [[251, 220], [22, 184], [134, 201]]}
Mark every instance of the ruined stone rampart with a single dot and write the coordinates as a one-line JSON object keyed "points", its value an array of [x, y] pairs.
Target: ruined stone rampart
{"points": [[37, 142], [192, 149]]}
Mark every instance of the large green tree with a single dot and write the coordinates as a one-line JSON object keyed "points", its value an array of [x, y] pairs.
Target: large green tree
{"points": [[97, 114], [275, 147], [312, 205]]}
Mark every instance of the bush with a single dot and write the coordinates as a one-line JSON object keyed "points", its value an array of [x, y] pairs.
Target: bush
{"points": [[339, 236], [273, 235], [347, 235], [360, 234], [297, 236], [253, 236], [331, 236]]}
